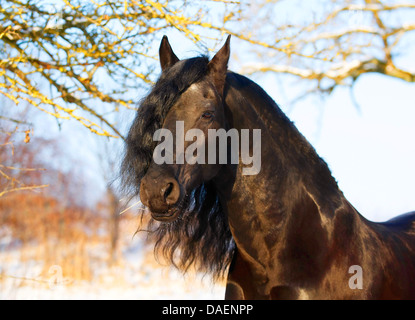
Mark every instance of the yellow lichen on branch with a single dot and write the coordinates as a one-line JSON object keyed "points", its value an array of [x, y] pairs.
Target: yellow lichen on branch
{"points": [[84, 60], [79, 59]]}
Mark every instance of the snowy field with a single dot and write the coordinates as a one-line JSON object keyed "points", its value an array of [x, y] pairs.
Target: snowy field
{"points": [[136, 275], [158, 285]]}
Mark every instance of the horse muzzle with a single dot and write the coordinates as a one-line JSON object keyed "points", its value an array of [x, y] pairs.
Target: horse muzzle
{"points": [[160, 192]]}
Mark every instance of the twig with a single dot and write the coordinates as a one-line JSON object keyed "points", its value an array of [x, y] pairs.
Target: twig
{"points": [[23, 188]]}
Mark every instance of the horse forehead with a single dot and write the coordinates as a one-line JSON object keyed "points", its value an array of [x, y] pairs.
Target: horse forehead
{"points": [[195, 87], [200, 89]]}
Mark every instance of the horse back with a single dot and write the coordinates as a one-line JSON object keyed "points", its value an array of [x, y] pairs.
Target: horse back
{"points": [[398, 255], [404, 223]]}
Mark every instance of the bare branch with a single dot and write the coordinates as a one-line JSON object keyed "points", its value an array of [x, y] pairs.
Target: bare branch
{"points": [[73, 46], [341, 49]]}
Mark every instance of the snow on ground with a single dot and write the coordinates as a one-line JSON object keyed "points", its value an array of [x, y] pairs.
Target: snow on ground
{"points": [[158, 286], [135, 276]]}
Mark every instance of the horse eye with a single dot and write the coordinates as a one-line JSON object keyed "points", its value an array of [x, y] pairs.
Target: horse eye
{"points": [[207, 115]]}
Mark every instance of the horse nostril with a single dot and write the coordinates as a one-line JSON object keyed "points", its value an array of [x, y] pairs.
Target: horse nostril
{"points": [[167, 191]]}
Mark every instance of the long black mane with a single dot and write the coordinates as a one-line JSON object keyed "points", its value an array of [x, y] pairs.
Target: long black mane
{"points": [[201, 236]]}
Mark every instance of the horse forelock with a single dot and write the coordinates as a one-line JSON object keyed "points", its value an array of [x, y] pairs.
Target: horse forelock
{"points": [[201, 236], [150, 116]]}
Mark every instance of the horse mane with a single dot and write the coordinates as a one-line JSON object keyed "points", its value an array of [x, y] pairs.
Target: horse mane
{"points": [[200, 237]]}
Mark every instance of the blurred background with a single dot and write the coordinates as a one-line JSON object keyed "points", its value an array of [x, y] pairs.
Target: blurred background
{"points": [[73, 72]]}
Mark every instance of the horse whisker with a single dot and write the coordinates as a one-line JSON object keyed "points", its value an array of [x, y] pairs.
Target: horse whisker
{"points": [[135, 204]]}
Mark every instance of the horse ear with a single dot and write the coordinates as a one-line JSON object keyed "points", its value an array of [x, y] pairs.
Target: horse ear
{"points": [[166, 54], [218, 66]]}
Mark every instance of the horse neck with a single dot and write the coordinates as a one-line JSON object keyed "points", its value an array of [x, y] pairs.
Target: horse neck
{"points": [[294, 189], [288, 161]]}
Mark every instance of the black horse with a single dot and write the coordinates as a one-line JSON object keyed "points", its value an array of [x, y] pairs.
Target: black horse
{"points": [[287, 232]]}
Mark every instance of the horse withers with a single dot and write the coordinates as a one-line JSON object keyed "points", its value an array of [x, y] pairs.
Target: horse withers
{"points": [[284, 232]]}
